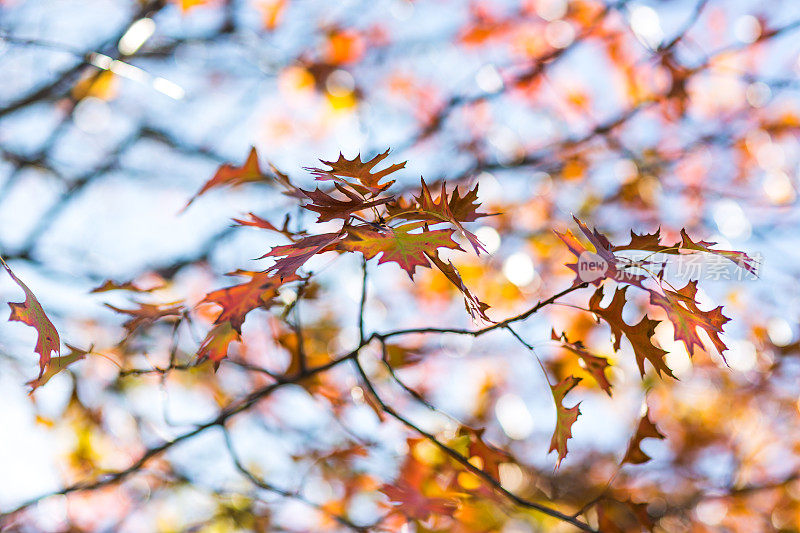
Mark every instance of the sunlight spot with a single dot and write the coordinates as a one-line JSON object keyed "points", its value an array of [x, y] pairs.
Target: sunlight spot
{"points": [[340, 83], [646, 26], [747, 29], [559, 34], [551, 10], [518, 269], [758, 94], [511, 476], [711, 512], [778, 187], [741, 356], [731, 220], [488, 79], [514, 416], [169, 88], [779, 331], [136, 36], [489, 237]]}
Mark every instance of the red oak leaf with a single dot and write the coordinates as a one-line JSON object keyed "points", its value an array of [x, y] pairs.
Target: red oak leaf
{"points": [[604, 264], [638, 335], [56, 365], [651, 242], [645, 429], [330, 208], [686, 317], [416, 505], [565, 417], [368, 181], [215, 345], [491, 457], [238, 300], [475, 307], [230, 175], [31, 313], [147, 314], [293, 256], [399, 245], [596, 366]]}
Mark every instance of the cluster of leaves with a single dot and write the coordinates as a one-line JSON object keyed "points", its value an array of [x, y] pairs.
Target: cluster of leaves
{"points": [[374, 223]]}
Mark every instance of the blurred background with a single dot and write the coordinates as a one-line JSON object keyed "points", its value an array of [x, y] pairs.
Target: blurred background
{"points": [[632, 115]]}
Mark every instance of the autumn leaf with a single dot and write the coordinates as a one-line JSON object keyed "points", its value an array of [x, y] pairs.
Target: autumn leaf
{"points": [[31, 313], [651, 242], [110, 285], [330, 208], [475, 307], [686, 317], [293, 256], [490, 456], [367, 181], [413, 504], [645, 429], [596, 366], [147, 314], [607, 265], [230, 175], [57, 364], [436, 211], [399, 245], [215, 345], [238, 300], [565, 417], [638, 335]]}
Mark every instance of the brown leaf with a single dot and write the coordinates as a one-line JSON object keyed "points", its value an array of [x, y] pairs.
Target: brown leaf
{"points": [[686, 317], [368, 181], [330, 208], [646, 429], [215, 345], [238, 300], [565, 417], [638, 335], [595, 365], [231, 175]]}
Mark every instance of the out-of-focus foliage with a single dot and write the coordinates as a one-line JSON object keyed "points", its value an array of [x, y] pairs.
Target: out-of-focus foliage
{"points": [[550, 381]]}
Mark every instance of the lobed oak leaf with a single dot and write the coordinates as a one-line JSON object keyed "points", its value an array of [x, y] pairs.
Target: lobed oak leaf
{"points": [[238, 300], [293, 256], [565, 417], [31, 313], [465, 209], [368, 181], [490, 456], [651, 242], [604, 263], [595, 365], [147, 314], [638, 335], [111, 285], [215, 345], [399, 245], [645, 429], [415, 505], [231, 175], [56, 365], [475, 307], [686, 317], [330, 208], [440, 210]]}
